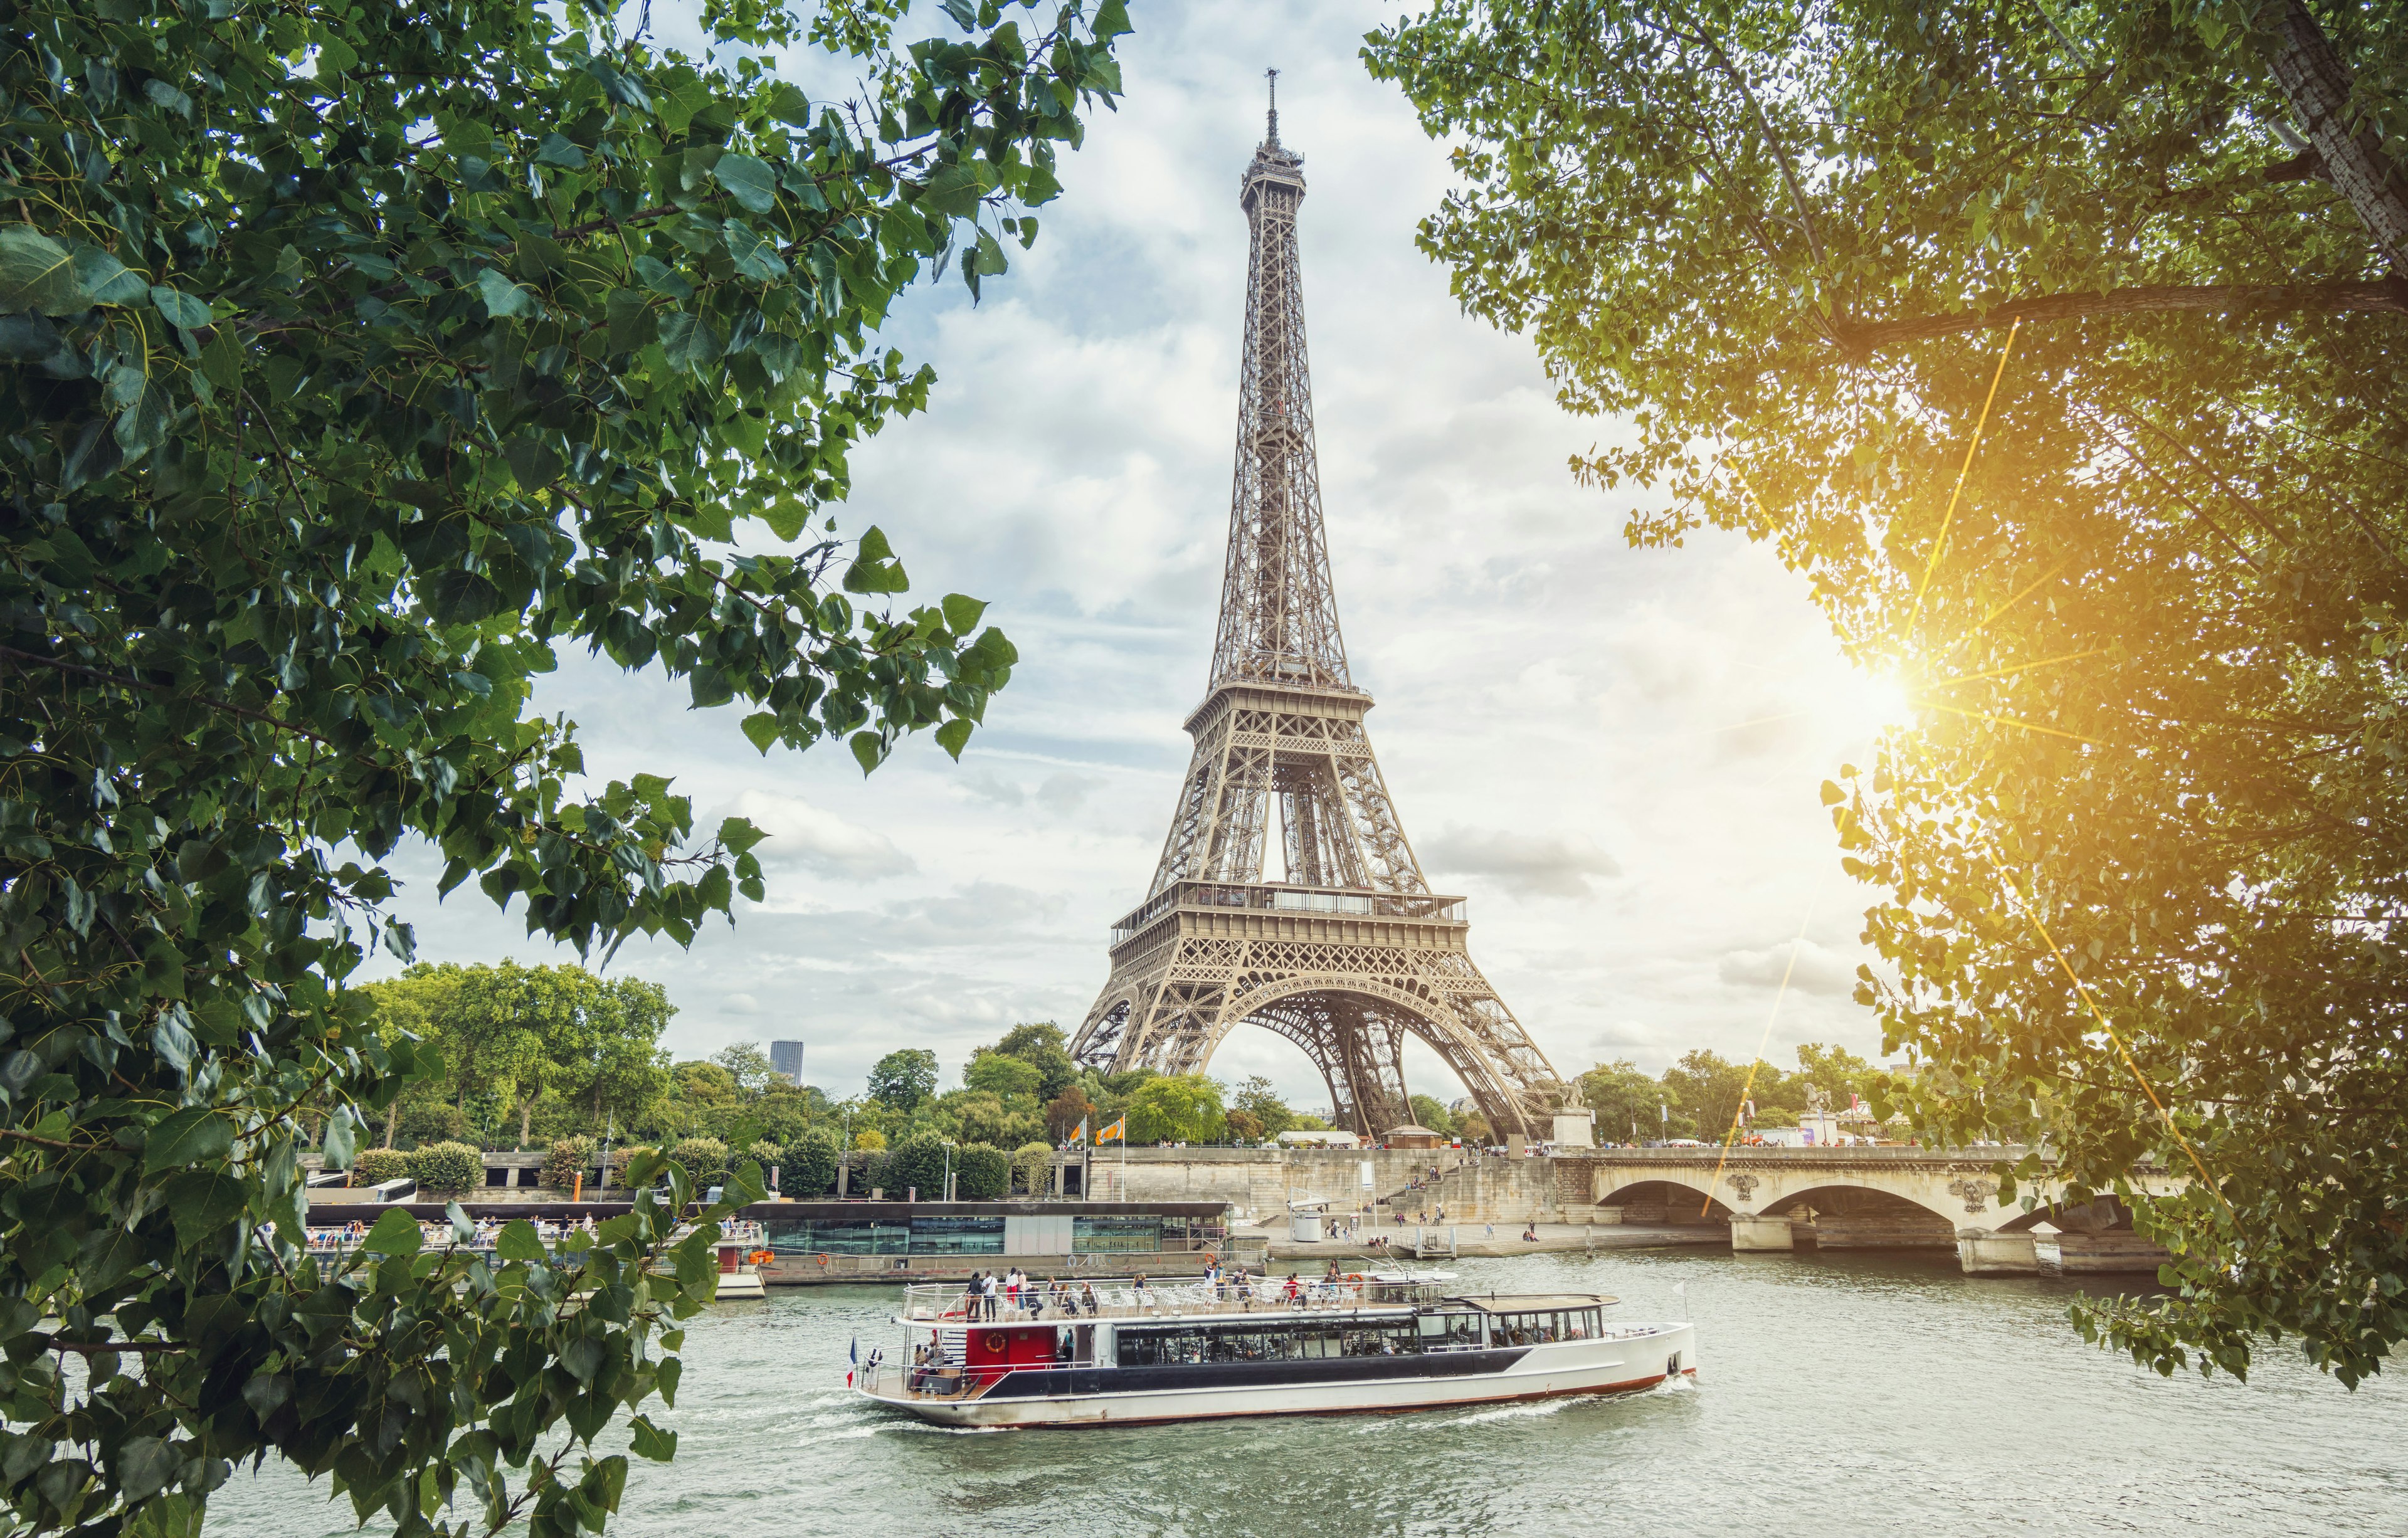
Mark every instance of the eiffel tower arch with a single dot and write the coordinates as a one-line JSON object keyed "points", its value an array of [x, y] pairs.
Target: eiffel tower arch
{"points": [[1350, 952]]}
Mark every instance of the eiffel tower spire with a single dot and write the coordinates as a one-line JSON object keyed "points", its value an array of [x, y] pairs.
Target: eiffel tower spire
{"points": [[1348, 952]]}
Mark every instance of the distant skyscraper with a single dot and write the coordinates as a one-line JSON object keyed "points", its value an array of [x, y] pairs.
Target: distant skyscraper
{"points": [[786, 1057]]}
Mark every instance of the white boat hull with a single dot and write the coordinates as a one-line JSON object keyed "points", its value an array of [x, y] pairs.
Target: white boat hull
{"points": [[1617, 1364]]}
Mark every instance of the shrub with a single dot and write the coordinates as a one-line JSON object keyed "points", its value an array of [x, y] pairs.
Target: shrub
{"points": [[449, 1168], [704, 1158], [1033, 1167], [809, 1168], [375, 1166], [765, 1154], [870, 1140], [622, 1158], [980, 1173], [570, 1157], [916, 1163], [428, 1122]]}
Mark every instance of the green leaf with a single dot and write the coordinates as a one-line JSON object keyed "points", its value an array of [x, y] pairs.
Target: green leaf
{"points": [[107, 281], [36, 274], [519, 1240], [395, 1234], [532, 463], [688, 342], [181, 308], [760, 728], [202, 1202], [556, 150], [505, 298], [953, 736], [187, 1137], [754, 254], [786, 518], [650, 1441], [143, 1467], [869, 750], [954, 189], [461, 598], [962, 613], [748, 182], [340, 1139], [1112, 20]]}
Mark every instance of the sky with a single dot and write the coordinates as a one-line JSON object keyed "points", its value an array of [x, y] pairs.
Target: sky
{"points": [[1614, 754]]}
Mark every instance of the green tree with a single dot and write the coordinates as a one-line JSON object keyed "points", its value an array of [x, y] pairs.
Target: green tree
{"points": [[358, 359], [1042, 1045], [1002, 1074], [904, 1079], [1179, 1107], [1624, 1100], [1260, 1100], [747, 1063], [1428, 1112], [1708, 1089], [2059, 351]]}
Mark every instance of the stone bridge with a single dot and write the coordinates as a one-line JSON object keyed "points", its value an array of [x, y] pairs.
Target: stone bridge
{"points": [[1787, 1199]]}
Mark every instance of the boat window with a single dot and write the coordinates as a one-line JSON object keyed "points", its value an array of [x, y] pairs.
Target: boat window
{"points": [[1116, 1235], [1449, 1331]]}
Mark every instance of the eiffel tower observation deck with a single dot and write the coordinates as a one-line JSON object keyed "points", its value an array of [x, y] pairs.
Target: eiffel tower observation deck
{"points": [[1349, 951]]}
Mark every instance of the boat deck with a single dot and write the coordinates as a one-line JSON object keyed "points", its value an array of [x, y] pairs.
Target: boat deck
{"points": [[1070, 1302]]}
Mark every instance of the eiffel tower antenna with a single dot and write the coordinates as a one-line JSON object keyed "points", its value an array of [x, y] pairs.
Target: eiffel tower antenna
{"points": [[1348, 952]]}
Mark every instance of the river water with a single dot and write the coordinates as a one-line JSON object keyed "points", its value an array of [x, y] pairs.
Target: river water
{"points": [[1837, 1394]]}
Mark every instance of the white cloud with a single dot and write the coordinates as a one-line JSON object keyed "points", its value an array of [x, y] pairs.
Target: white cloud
{"points": [[1524, 864], [1816, 970], [818, 839]]}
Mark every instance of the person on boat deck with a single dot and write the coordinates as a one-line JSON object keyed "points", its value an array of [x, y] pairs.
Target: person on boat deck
{"points": [[1293, 1290], [1087, 1296], [1144, 1293]]}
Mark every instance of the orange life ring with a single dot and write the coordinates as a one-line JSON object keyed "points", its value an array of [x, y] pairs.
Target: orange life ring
{"points": [[995, 1343], [763, 1256], [823, 1259]]}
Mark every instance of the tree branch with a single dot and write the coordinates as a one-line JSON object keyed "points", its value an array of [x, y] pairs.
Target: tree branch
{"points": [[2385, 295], [164, 688]]}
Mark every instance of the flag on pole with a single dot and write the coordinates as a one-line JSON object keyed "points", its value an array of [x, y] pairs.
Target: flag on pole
{"points": [[856, 1360], [1116, 1133], [1079, 1137]]}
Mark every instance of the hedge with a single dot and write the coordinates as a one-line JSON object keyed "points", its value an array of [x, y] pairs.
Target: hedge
{"points": [[916, 1163], [375, 1166], [982, 1173], [704, 1158], [809, 1168], [452, 1168], [569, 1157]]}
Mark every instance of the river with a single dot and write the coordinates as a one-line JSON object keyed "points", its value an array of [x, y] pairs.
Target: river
{"points": [[1837, 1394]]}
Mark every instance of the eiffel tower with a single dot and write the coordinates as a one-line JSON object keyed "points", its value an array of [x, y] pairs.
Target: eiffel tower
{"points": [[1351, 951]]}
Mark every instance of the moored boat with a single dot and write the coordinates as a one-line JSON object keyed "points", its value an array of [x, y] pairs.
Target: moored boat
{"points": [[1120, 1351]]}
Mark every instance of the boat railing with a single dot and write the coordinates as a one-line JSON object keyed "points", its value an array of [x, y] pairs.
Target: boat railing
{"points": [[1131, 1298]]}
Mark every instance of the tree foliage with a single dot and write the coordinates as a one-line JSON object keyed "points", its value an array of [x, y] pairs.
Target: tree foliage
{"points": [[356, 360], [1178, 1108], [448, 1169], [903, 1079], [809, 1168], [982, 1173], [2060, 349]]}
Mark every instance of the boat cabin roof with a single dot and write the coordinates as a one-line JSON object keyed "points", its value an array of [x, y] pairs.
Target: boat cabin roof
{"points": [[1536, 1303]]}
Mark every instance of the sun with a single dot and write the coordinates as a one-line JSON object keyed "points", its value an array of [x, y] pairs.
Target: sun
{"points": [[1873, 702]]}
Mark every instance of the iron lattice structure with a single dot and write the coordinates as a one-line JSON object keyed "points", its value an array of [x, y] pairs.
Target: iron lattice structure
{"points": [[1350, 952]]}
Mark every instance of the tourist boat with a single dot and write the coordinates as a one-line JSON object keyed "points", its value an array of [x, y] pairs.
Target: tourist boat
{"points": [[1134, 1353]]}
